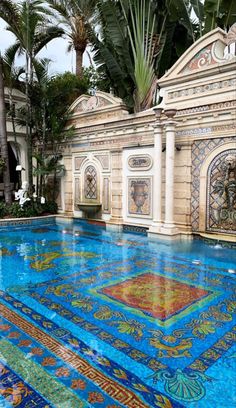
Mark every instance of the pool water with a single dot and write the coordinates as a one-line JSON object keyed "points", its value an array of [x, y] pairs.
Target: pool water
{"points": [[90, 318]]}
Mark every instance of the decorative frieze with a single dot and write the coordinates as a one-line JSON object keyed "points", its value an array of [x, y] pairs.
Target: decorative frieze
{"points": [[117, 141], [206, 108], [203, 131], [202, 89]]}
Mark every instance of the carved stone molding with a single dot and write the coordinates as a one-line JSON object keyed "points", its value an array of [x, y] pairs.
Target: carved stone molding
{"points": [[202, 89], [207, 130], [206, 108]]}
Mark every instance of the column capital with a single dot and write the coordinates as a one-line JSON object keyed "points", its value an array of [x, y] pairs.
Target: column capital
{"points": [[170, 124]]}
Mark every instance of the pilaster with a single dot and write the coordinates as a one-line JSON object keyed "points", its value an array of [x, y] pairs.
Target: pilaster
{"points": [[169, 226], [157, 187]]}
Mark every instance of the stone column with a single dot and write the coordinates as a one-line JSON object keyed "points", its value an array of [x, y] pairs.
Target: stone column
{"points": [[169, 227], [116, 190], [157, 183]]}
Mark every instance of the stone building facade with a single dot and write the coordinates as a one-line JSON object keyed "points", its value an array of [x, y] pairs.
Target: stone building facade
{"points": [[171, 169]]}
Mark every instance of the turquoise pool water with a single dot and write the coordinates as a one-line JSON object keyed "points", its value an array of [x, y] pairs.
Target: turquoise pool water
{"points": [[91, 318]]}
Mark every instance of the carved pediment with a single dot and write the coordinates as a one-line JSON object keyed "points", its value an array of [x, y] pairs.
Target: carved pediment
{"points": [[101, 100], [205, 53]]}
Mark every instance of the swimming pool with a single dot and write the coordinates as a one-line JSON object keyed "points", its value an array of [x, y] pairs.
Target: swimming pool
{"points": [[91, 318]]}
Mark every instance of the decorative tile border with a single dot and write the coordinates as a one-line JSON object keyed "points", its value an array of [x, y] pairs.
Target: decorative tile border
{"points": [[18, 222], [135, 228], [18, 392], [57, 393], [209, 357], [113, 388]]}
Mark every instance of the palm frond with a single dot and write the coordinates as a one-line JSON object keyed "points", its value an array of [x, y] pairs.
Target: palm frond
{"points": [[10, 12], [141, 36], [11, 52], [41, 39]]}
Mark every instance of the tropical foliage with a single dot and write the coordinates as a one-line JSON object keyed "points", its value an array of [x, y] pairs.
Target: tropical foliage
{"points": [[219, 13], [29, 23], [139, 40], [49, 124]]}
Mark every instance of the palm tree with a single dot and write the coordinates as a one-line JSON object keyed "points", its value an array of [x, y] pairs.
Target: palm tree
{"points": [[29, 23], [77, 18], [3, 141]]}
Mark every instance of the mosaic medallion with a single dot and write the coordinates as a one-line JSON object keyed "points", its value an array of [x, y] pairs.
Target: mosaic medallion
{"points": [[155, 295]]}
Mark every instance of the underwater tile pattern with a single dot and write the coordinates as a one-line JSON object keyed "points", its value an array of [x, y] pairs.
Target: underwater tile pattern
{"points": [[148, 292], [91, 318]]}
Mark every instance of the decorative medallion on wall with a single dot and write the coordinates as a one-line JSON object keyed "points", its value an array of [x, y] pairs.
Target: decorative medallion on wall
{"points": [[221, 193], [140, 162], [139, 196], [90, 183]]}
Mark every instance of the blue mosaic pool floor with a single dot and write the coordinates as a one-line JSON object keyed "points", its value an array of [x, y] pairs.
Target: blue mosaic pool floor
{"points": [[90, 318]]}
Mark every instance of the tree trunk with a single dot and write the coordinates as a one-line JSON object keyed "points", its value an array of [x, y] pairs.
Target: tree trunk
{"points": [[3, 141], [79, 62], [29, 74]]}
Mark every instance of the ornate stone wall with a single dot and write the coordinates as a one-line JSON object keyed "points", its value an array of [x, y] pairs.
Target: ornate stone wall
{"points": [[129, 153]]}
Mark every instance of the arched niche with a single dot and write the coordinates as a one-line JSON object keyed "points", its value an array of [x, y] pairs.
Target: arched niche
{"points": [[217, 206], [91, 191]]}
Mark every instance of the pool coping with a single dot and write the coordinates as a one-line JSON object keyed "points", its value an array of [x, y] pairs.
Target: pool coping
{"points": [[224, 239], [11, 222]]}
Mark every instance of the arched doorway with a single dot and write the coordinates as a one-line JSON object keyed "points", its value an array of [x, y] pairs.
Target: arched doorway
{"points": [[221, 193], [15, 176]]}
